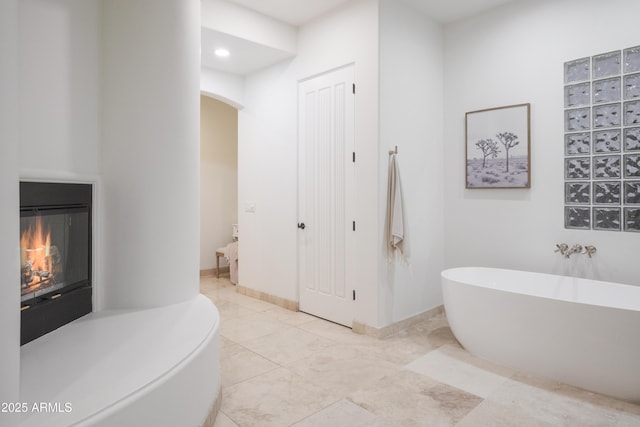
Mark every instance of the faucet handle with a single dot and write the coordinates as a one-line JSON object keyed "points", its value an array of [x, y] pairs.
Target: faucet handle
{"points": [[563, 248], [590, 250]]}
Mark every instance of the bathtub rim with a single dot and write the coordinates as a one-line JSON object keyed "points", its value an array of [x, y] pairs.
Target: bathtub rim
{"points": [[630, 303]]}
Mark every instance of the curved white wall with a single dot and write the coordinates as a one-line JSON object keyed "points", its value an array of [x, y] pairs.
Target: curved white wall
{"points": [[9, 208], [60, 88], [150, 151]]}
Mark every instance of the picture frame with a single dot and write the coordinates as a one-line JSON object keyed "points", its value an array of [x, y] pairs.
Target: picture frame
{"points": [[498, 147]]}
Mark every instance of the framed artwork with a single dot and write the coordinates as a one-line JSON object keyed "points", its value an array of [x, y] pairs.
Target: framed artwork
{"points": [[498, 147]]}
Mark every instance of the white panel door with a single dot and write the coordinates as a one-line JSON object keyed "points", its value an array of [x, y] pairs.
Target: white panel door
{"points": [[325, 195]]}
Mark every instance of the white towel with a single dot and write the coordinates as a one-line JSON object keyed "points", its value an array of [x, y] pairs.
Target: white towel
{"points": [[395, 226], [231, 253]]}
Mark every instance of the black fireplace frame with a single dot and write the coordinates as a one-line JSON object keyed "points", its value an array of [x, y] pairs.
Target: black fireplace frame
{"points": [[47, 312]]}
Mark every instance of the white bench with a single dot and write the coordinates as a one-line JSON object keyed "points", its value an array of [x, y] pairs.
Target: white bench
{"points": [[156, 367]]}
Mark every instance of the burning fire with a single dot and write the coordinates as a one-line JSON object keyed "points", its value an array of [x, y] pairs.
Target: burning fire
{"points": [[37, 255]]}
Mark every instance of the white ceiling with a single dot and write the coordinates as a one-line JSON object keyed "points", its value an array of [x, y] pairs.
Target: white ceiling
{"points": [[293, 12], [247, 57], [298, 12]]}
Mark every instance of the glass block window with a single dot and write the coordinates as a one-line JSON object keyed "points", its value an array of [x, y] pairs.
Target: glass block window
{"points": [[602, 141]]}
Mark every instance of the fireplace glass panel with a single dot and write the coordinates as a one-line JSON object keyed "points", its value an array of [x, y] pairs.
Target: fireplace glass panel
{"points": [[54, 251]]}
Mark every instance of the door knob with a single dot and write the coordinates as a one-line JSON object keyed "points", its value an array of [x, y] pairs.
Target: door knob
{"points": [[302, 226]]}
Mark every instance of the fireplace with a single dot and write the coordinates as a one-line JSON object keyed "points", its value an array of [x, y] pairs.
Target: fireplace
{"points": [[55, 256]]}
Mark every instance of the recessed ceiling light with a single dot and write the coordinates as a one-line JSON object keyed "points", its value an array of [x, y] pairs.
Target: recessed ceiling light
{"points": [[222, 52]]}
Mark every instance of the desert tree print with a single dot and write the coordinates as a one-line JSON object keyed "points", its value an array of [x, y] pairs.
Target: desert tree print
{"points": [[498, 147]]}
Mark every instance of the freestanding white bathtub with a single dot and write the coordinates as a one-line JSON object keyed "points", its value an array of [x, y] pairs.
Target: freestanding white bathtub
{"points": [[581, 332]]}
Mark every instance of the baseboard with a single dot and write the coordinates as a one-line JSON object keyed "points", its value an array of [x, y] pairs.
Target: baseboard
{"points": [[263, 296], [372, 331], [212, 271]]}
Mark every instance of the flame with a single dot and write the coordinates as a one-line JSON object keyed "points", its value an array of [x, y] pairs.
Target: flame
{"points": [[35, 247]]}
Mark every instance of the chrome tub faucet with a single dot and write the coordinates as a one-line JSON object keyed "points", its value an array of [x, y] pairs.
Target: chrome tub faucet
{"points": [[565, 251]]}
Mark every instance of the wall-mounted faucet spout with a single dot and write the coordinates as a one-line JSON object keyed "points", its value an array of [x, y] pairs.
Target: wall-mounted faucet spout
{"points": [[575, 249]]}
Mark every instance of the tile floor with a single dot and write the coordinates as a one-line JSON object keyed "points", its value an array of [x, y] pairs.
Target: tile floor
{"points": [[282, 368]]}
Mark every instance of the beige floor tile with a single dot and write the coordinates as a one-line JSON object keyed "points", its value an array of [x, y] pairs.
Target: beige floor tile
{"points": [[249, 302], [230, 310], [278, 398], [442, 336], [434, 333], [287, 346], [343, 414], [229, 348], [431, 324], [225, 292], [211, 283], [409, 344], [337, 333], [240, 364], [491, 414], [293, 318], [446, 368], [343, 368], [404, 349], [457, 352], [577, 393], [223, 421], [627, 420], [410, 399], [555, 408], [248, 327]]}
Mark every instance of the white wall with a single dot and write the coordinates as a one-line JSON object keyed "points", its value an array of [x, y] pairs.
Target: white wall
{"points": [[267, 177], [9, 208], [225, 87], [267, 155], [411, 100], [150, 151], [49, 127], [218, 178], [515, 54], [60, 87]]}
